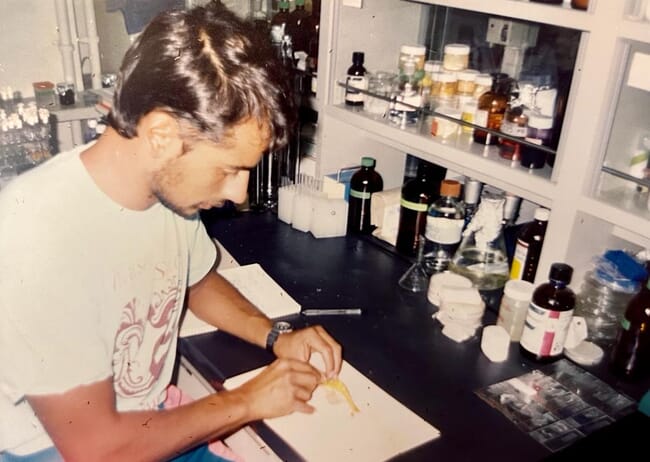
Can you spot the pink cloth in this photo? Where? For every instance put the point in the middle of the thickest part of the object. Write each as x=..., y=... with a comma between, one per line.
x=176, y=397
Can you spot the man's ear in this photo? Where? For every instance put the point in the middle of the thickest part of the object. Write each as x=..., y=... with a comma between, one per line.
x=162, y=134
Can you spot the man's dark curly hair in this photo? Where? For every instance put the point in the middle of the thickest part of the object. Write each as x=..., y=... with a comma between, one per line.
x=209, y=69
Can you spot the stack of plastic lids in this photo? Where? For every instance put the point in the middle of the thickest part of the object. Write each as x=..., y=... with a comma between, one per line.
x=461, y=307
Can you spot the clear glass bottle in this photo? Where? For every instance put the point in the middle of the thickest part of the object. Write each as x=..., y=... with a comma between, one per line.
x=549, y=316
x=491, y=108
x=364, y=183
x=417, y=195
x=529, y=247
x=356, y=79
x=444, y=226
x=482, y=255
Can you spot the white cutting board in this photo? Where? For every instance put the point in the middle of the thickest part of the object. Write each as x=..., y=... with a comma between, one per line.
x=382, y=429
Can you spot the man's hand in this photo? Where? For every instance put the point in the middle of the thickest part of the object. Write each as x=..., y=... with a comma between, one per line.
x=300, y=344
x=280, y=389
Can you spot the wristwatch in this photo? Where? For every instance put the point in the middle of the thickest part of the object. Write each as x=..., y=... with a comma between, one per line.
x=279, y=327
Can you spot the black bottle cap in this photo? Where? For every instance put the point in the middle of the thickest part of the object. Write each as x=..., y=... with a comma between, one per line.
x=561, y=272
x=358, y=57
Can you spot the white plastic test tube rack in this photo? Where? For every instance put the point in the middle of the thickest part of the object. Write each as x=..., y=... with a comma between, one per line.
x=307, y=208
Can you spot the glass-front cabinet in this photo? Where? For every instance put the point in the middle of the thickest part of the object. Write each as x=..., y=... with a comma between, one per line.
x=575, y=133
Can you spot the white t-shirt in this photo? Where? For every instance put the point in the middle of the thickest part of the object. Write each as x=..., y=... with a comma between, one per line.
x=88, y=290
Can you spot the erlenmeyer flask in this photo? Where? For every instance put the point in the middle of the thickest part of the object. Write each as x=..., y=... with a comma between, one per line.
x=481, y=256
x=416, y=279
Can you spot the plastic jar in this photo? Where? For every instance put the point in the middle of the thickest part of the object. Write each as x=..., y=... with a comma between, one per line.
x=44, y=94
x=443, y=92
x=482, y=84
x=467, y=82
x=381, y=86
x=540, y=131
x=456, y=57
x=514, y=306
x=416, y=53
x=602, y=302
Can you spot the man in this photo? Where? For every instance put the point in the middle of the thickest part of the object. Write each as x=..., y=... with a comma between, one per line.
x=100, y=246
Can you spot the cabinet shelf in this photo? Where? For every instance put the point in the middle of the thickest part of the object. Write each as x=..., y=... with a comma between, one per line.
x=458, y=153
x=556, y=15
x=635, y=30
x=624, y=210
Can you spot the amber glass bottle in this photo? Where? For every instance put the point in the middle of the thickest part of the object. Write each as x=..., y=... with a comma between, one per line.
x=417, y=195
x=492, y=106
x=549, y=315
x=631, y=354
x=363, y=184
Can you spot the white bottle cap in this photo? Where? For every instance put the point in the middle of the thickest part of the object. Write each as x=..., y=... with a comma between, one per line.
x=542, y=214
x=517, y=289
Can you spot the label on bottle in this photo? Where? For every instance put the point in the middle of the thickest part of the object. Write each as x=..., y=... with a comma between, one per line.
x=355, y=81
x=360, y=194
x=443, y=230
x=519, y=260
x=314, y=83
x=625, y=324
x=481, y=118
x=513, y=129
x=415, y=206
x=545, y=330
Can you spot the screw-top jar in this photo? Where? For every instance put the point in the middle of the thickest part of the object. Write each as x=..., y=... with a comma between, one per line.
x=456, y=57
x=482, y=84
x=514, y=306
x=415, y=52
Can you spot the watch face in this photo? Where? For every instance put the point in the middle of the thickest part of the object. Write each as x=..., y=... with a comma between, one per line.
x=283, y=327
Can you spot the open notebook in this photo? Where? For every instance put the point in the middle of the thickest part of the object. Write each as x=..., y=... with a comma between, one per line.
x=383, y=427
x=255, y=284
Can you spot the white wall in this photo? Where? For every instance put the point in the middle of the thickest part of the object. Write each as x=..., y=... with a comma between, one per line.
x=29, y=51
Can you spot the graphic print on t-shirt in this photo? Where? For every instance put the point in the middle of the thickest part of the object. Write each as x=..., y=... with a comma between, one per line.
x=146, y=332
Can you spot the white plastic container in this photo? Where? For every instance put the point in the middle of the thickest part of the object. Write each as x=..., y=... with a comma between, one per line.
x=514, y=306
x=456, y=57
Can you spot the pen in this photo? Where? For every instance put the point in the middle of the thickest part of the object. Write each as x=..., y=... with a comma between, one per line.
x=331, y=311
